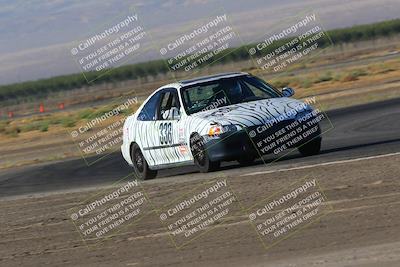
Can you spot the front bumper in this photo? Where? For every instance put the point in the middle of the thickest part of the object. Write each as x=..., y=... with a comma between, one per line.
x=230, y=146
x=234, y=145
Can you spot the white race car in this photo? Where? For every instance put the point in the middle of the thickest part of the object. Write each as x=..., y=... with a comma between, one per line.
x=203, y=121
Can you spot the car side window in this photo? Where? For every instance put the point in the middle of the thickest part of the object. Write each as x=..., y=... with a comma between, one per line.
x=169, y=105
x=149, y=110
x=166, y=101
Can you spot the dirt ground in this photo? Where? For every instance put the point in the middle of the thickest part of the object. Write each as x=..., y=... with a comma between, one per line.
x=362, y=229
x=381, y=84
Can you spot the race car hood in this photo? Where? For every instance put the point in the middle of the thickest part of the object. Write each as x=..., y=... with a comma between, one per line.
x=257, y=112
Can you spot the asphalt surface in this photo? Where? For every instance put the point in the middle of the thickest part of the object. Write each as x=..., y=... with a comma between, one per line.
x=358, y=131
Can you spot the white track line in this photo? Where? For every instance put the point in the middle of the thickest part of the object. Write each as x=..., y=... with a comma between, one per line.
x=322, y=164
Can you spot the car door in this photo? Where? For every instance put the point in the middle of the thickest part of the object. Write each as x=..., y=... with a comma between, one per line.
x=170, y=150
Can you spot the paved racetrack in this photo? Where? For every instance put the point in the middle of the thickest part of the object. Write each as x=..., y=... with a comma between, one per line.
x=359, y=131
x=358, y=171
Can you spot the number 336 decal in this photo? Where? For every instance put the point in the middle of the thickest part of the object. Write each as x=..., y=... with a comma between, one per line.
x=166, y=133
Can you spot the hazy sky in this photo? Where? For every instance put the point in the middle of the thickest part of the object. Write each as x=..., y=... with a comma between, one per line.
x=36, y=36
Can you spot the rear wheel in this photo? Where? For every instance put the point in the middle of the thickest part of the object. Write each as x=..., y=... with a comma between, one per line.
x=200, y=155
x=140, y=165
x=311, y=148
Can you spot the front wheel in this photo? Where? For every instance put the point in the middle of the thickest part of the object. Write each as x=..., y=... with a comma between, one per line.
x=140, y=165
x=200, y=155
x=311, y=148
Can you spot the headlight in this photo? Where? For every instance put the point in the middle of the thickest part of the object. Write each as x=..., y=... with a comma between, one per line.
x=215, y=130
x=218, y=129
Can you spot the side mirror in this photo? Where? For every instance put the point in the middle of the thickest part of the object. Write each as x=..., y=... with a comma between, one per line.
x=287, y=92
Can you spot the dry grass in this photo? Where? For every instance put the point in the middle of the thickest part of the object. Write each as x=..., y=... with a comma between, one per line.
x=46, y=137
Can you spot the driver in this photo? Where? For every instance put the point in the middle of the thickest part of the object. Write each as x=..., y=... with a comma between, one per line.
x=172, y=108
x=233, y=91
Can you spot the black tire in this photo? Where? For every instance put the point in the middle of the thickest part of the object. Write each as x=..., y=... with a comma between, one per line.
x=311, y=148
x=200, y=155
x=246, y=160
x=140, y=165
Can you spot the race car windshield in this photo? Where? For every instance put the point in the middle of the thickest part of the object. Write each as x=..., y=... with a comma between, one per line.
x=225, y=92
